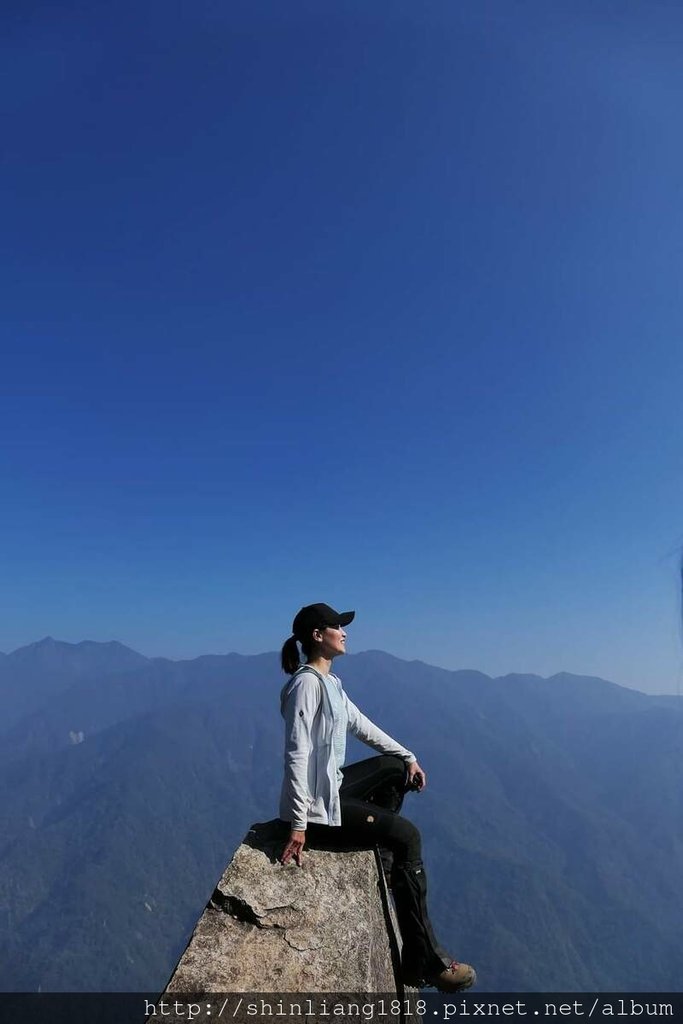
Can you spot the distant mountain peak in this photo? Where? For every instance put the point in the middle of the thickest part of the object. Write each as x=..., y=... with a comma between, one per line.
x=38, y=645
x=111, y=644
x=87, y=657
x=570, y=677
x=375, y=652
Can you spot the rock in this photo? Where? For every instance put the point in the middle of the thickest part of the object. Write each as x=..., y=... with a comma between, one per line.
x=323, y=927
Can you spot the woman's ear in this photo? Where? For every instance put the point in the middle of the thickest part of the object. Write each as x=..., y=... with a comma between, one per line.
x=317, y=635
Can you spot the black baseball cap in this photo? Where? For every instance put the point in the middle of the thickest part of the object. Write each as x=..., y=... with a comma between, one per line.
x=317, y=616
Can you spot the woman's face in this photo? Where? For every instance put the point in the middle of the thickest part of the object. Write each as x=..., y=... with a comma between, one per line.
x=333, y=641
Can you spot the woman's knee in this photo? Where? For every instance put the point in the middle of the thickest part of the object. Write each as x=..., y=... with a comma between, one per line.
x=394, y=763
x=380, y=779
x=387, y=764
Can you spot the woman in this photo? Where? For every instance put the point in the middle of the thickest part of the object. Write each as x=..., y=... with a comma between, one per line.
x=357, y=805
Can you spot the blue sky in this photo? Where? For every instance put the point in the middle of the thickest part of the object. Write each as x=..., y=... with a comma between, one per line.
x=375, y=304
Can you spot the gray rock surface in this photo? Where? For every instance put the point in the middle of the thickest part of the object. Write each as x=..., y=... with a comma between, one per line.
x=323, y=927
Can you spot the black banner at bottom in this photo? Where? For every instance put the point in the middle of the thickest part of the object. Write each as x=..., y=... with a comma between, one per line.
x=331, y=1007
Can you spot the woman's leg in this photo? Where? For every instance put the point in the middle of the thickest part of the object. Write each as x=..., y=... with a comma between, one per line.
x=367, y=824
x=422, y=958
x=380, y=780
x=371, y=795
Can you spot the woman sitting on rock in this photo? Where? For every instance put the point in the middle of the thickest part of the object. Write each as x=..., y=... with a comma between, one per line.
x=359, y=804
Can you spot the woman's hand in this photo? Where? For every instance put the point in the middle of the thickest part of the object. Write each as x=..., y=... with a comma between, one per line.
x=295, y=845
x=417, y=779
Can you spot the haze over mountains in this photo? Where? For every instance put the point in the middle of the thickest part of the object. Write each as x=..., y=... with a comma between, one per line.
x=552, y=820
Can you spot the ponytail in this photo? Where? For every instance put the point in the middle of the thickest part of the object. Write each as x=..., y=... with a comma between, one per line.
x=289, y=656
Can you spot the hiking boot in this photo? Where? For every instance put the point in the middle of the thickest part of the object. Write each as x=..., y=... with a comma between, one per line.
x=454, y=978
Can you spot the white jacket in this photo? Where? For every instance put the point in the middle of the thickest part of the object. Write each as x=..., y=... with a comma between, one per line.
x=309, y=790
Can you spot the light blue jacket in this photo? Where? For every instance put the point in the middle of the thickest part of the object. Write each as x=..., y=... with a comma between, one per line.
x=310, y=791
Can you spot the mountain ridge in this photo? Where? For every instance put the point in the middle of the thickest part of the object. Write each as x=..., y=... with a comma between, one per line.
x=552, y=816
x=48, y=643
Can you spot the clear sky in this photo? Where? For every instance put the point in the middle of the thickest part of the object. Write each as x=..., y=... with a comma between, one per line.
x=377, y=304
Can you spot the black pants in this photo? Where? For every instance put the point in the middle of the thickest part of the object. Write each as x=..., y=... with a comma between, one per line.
x=371, y=796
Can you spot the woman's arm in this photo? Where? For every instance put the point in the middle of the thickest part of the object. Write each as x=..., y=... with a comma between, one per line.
x=417, y=779
x=295, y=845
x=300, y=708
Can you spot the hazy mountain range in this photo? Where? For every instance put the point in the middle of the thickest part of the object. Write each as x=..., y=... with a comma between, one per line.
x=552, y=820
